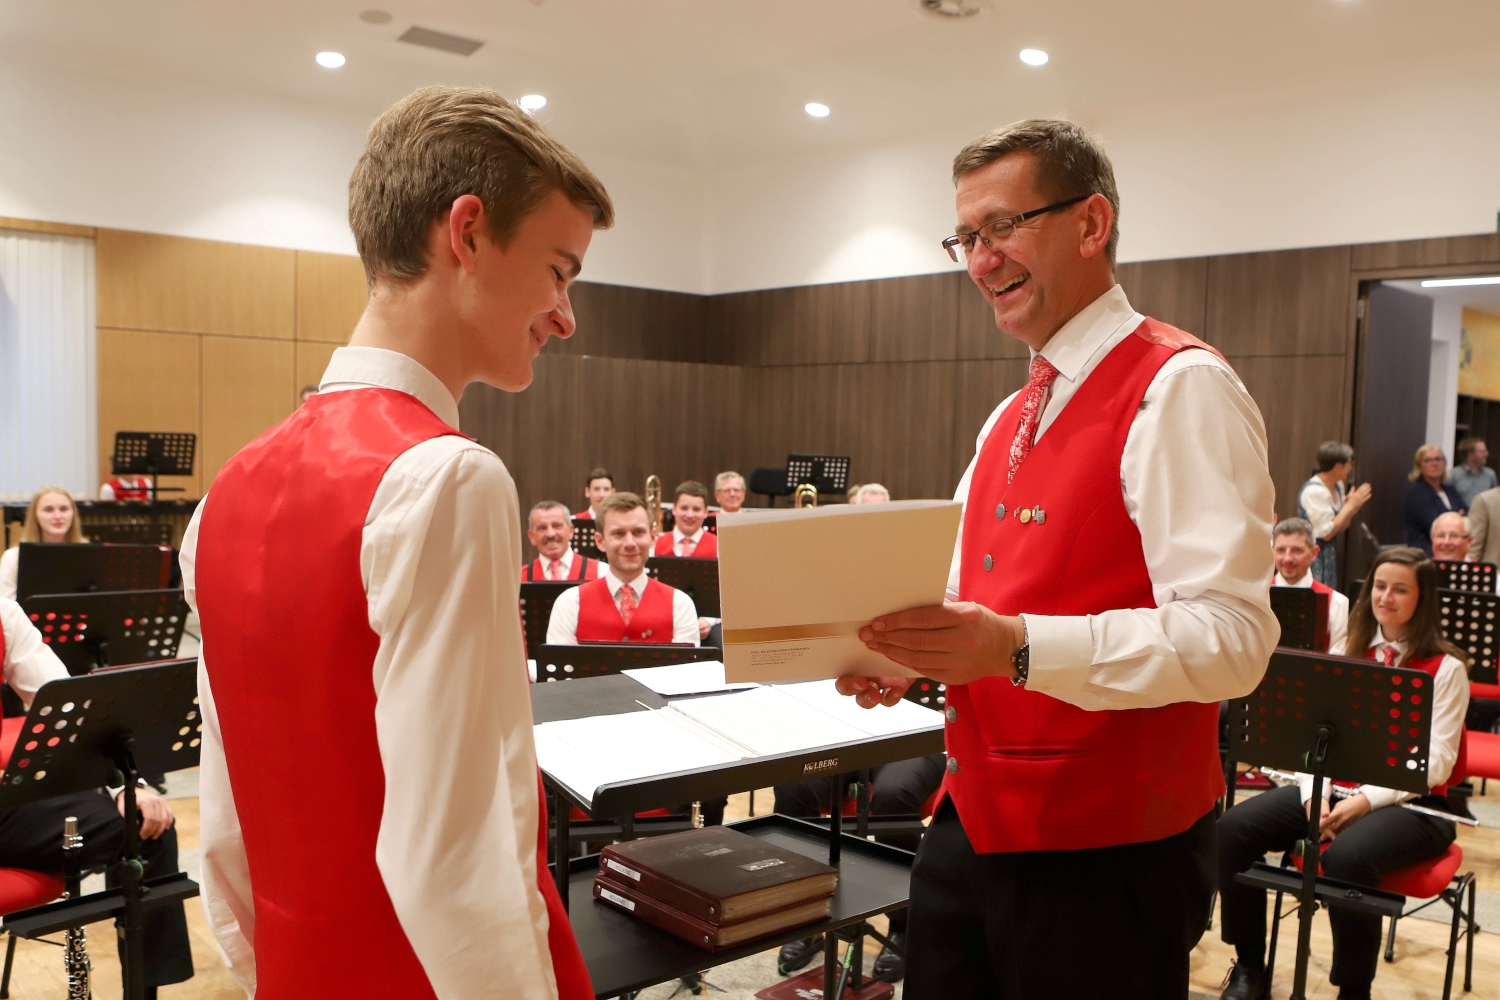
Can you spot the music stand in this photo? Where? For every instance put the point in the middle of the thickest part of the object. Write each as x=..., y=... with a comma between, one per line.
x=698, y=578
x=1331, y=715
x=153, y=453
x=583, y=538
x=88, y=631
x=106, y=729
x=72, y=568
x=927, y=693
x=132, y=533
x=829, y=473
x=537, y=598
x=1303, y=614
x=711, y=524
x=1456, y=575
x=1469, y=621
x=596, y=659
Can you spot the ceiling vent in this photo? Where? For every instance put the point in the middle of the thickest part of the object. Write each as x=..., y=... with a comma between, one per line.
x=951, y=10
x=428, y=38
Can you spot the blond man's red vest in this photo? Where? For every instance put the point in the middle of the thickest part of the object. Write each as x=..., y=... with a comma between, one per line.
x=599, y=619
x=708, y=545
x=290, y=657
x=1028, y=772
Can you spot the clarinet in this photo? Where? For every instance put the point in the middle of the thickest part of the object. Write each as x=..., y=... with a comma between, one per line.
x=75, y=942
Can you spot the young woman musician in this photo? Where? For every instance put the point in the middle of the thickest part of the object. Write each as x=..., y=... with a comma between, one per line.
x=1395, y=622
x=52, y=517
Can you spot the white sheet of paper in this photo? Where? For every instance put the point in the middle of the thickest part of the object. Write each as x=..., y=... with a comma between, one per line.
x=882, y=720
x=677, y=679
x=586, y=753
x=795, y=586
x=768, y=721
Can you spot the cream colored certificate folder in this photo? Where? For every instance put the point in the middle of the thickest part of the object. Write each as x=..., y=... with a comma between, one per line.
x=796, y=586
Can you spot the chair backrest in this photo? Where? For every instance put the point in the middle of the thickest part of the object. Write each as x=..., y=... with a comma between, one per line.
x=1470, y=620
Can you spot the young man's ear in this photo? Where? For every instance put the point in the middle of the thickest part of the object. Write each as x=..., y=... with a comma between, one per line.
x=464, y=219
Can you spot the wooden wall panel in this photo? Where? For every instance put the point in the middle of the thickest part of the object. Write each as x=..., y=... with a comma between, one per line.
x=148, y=382
x=1286, y=302
x=331, y=295
x=1173, y=291
x=311, y=360
x=1445, y=251
x=914, y=319
x=978, y=337
x=244, y=393
x=1302, y=405
x=620, y=322
x=169, y=283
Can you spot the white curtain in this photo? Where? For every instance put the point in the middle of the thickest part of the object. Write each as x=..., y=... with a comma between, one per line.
x=48, y=372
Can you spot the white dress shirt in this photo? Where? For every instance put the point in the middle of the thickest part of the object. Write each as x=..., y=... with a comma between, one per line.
x=679, y=540
x=29, y=662
x=1338, y=610
x=1195, y=482
x=1450, y=703
x=1322, y=507
x=440, y=562
x=566, y=561
x=562, y=627
x=10, y=567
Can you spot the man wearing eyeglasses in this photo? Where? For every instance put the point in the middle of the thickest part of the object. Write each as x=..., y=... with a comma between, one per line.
x=1108, y=590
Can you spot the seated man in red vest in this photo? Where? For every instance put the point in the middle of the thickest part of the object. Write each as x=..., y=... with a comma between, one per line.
x=596, y=487
x=549, y=527
x=31, y=834
x=688, y=539
x=1295, y=551
x=624, y=604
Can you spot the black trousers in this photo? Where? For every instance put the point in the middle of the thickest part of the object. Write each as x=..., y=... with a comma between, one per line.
x=31, y=838
x=899, y=789
x=1115, y=922
x=1372, y=846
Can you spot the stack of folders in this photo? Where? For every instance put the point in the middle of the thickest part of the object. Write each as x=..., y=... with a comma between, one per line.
x=715, y=887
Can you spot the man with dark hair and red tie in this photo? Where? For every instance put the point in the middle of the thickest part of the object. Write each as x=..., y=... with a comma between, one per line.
x=1108, y=591
x=688, y=539
x=549, y=528
x=624, y=604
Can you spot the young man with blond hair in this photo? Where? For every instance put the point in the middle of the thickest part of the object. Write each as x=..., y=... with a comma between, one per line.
x=370, y=800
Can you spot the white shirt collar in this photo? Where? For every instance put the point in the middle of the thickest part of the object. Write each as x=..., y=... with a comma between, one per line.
x=694, y=537
x=1399, y=645
x=375, y=367
x=1081, y=337
x=1306, y=581
x=614, y=583
x=566, y=560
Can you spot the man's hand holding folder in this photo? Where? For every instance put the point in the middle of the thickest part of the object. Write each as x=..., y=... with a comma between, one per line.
x=949, y=643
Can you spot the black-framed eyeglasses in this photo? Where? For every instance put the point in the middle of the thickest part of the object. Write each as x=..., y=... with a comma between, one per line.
x=961, y=245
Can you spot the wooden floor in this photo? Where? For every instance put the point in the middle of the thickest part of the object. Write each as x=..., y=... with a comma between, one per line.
x=1417, y=973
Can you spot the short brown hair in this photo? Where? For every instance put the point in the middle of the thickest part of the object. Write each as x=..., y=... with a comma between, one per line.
x=692, y=488
x=598, y=474
x=1424, y=633
x=1069, y=162
x=623, y=503
x=443, y=142
x=1467, y=445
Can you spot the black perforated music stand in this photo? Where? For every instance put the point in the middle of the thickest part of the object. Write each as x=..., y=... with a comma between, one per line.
x=829, y=473
x=1469, y=620
x=537, y=598
x=698, y=578
x=927, y=693
x=1303, y=614
x=88, y=631
x=1331, y=716
x=1455, y=575
x=596, y=659
x=583, y=538
x=71, y=568
x=107, y=728
x=132, y=533
x=153, y=453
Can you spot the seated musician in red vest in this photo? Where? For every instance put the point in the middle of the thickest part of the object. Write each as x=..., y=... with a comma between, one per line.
x=688, y=539
x=549, y=528
x=1396, y=621
x=596, y=487
x=1109, y=590
x=372, y=823
x=31, y=834
x=1295, y=550
x=624, y=604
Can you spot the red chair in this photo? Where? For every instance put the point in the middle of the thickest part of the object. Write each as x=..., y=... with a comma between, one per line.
x=1484, y=757
x=20, y=889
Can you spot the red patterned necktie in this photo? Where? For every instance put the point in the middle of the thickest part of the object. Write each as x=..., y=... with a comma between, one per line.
x=1387, y=655
x=688, y=548
x=627, y=603
x=1040, y=379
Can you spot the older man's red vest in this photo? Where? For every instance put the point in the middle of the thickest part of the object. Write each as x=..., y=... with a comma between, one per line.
x=1028, y=772
x=599, y=619
x=290, y=657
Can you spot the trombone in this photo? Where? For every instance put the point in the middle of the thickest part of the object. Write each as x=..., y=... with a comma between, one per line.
x=653, y=502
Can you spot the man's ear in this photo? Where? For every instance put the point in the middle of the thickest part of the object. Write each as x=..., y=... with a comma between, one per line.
x=465, y=223
x=1099, y=223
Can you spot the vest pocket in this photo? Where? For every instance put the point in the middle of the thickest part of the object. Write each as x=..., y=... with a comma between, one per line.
x=1021, y=754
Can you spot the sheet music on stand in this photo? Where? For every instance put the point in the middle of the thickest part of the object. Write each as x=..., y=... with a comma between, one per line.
x=1471, y=620
x=829, y=473
x=1303, y=614
x=1456, y=575
x=88, y=631
x=72, y=568
x=153, y=453
x=698, y=578
x=598, y=659
x=583, y=538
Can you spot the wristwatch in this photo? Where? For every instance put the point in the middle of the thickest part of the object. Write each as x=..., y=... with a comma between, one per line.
x=1021, y=658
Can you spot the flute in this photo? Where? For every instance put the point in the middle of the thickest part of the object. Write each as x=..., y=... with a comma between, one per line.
x=1339, y=792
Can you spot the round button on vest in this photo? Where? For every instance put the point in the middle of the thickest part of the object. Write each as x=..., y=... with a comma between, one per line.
x=1000, y=512
x=952, y=765
x=952, y=714
x=988, y=563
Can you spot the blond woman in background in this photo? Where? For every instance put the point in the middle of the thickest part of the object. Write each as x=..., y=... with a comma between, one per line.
x=52, y=517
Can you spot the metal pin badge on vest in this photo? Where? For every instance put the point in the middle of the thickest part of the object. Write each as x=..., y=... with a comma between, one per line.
x=1038, y=515
x=646, y=634
x=1025, y=516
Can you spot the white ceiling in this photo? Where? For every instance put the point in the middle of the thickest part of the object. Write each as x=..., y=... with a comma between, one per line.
x=720, y=83
x=1484, y=298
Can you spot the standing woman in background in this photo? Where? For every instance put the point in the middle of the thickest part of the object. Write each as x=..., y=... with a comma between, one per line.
x=1324, y=503
x=52, y=517
x=1429, y=495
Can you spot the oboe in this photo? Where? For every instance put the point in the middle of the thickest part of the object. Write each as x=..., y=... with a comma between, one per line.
x=75, y=943
x=1338, y=792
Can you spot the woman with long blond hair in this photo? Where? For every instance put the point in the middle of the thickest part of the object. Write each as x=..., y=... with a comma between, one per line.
x=52, y=517
x=1429, y=495
x=1396, y=622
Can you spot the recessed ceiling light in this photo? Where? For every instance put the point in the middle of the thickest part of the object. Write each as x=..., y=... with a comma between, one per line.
x=376, y=17
x=533, y=102
x=330, y=60
x=1034, y=57
x=1489, y=279
x=816, y=110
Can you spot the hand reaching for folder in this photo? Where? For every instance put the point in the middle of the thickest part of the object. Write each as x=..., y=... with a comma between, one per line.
x=949, y=643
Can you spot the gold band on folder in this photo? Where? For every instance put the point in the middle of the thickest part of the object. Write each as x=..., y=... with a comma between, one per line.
x=786, y=633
